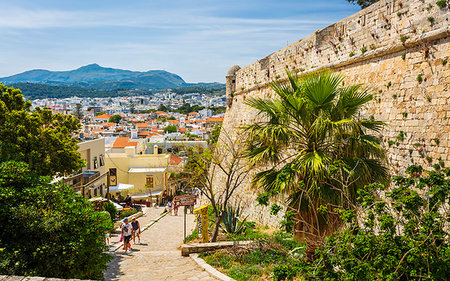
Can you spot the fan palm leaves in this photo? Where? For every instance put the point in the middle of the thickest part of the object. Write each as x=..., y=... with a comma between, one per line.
x=320, y=149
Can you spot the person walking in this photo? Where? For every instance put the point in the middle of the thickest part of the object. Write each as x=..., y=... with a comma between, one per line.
x=169, y=207
x=175, y=208
x=136, y=230
x=127, y=231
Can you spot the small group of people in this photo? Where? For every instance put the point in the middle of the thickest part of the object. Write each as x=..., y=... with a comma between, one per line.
x=172, y=206
x=130, y=231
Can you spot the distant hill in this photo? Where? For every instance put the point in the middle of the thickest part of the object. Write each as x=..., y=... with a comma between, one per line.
x=42, y=91
x=97, y=77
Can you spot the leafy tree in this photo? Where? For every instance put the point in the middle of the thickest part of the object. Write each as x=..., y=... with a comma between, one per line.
x=115, y=118
x=226, y=162
x=78, y=111
x=363, y=3
x=162, y=107
x=215, y=134
x=48, y=230
x=171, y=118
x=170, y=129
x=41, y=139
x=318, y=146
x=100, y=113
x=402, y=237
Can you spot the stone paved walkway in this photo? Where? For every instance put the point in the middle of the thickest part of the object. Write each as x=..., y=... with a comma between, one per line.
x=158, y=257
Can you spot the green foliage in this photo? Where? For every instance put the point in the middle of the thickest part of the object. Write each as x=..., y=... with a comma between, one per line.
x=48, y=230
x=288, y=223
x=187, y=108
x=363, y=50
x=127, y=213
x=283, y=272
x=215, y=133
x=231, y=220
x=401, y=136
x=115, y=118
x=100, y=113
x=403, y=56
x=41, y=139
x=311, y=123
x=170, y=129
x=111, y=209
x=42, y=91
x=192, y=236
x=431, y=20
x=403, y=38
x=362, y=3
x=441, y=3
x=401, y=238
x=274, y=209
x=351, y=54
x=263, y=199
x=444, y=62
x=419, y=78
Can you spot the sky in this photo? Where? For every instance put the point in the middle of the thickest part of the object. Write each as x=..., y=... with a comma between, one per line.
x=196, y=39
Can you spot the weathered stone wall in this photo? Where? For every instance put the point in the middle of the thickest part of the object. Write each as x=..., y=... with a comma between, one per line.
x=397, y=48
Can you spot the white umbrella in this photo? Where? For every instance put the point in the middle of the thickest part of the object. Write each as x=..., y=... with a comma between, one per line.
x=120, y=187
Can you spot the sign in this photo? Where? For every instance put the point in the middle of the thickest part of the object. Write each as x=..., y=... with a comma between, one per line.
x=112, y=177
x=185, y=200
x=202, y=220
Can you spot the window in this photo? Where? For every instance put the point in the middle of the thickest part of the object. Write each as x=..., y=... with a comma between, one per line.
x=149, y=182
x=95, y=163
x=102, y=160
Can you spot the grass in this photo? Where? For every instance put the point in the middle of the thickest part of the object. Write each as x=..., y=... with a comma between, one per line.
x=256, y=262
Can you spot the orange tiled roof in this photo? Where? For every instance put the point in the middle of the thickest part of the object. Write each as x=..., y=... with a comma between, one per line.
x=160, y=112
x=144, y=133
x=174, y=160
x=142, y=125
x=103, y=116
x=175, y=122
x=193, y=113
x=214, y=119
x=123, y=142
x=182, y=129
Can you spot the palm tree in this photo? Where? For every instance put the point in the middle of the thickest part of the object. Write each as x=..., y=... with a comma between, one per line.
x=318, y=146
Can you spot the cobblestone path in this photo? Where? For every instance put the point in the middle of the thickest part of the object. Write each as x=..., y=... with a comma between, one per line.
x=158, y=256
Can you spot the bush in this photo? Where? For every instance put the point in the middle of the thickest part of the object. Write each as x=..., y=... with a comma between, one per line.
x=111, y=209
x=48, y=230
x=244, y=272
x=283, y=272
x=127, y=213
x=231, y=220
x=401, y=238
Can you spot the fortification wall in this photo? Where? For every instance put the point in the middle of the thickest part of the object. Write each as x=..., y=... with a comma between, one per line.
x=397, y=48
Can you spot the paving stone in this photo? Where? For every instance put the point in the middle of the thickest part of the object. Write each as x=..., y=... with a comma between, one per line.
x=158, y=257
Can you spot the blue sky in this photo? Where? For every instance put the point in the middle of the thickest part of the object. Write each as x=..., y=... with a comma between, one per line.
x=199, y=40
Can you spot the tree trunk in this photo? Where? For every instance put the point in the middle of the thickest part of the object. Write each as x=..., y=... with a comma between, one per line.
x=216, y=228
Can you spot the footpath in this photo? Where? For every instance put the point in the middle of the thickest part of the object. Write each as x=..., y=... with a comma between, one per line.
x=158, y=256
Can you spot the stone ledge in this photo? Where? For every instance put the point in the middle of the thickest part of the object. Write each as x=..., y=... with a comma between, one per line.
x=187, y=249
x=28, y=278
x=211, y=270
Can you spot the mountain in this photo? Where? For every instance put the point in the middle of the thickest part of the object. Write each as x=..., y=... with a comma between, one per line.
x=97, y=77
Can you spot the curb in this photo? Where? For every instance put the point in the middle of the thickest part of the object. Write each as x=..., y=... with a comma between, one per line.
x=143, y=229
x=211, y=270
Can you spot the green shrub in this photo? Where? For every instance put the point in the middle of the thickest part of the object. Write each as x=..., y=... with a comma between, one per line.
x=111, y=209
x=283, y=272
x=245, y=272
x=128, y=213
x=48, y=230
x=401, y=238
x=231, y=220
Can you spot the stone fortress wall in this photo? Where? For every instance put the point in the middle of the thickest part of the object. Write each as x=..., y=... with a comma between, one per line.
x=399, y=48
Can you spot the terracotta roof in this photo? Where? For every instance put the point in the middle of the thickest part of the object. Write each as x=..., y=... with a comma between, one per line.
x=160, y=112
x=173, y=121
x=97, y=130
x=142, y=125
x=144, y=133
x=214, y=119
x=182, y=129
x=123, y=142
x=193, y=113
x=103, y=116
x=174, y=160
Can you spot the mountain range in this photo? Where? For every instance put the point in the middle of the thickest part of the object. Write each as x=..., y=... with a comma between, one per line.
x=97, y=77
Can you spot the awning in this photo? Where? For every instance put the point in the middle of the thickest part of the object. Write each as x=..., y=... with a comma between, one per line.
x=118, y=207
x=147, y=170
x=146, y=195
x=120, y=187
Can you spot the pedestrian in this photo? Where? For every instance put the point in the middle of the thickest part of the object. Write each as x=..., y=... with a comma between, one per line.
x=175, y=208
x=128, y=200
x=107, y=237
x=127, y=231
x=169, y=207
x=136, y=230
